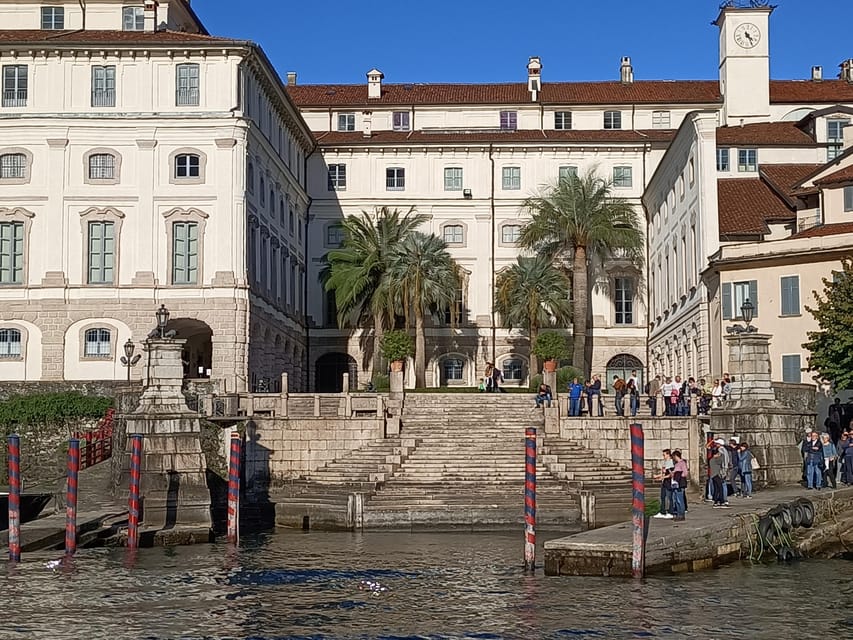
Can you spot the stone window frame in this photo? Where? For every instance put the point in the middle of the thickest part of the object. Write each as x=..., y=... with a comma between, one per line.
x=28, y=165
x=179, y=214
x=113, y=342
x=501, y=242
x=202, y=166
x=25, y=216
x=525, y=367
x=465, y=373
x=25, y=336
x=328, y=227
x=101, y=214
x=116, y=179
x=454, y=223
x=635, y=299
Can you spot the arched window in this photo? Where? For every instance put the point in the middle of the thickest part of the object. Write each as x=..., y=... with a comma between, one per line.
x=102, y=166
x=263, y=190
x=453, y=369
x=250, y=178
x=187, y=165
x=13, y=166
x=10, y=343
x=98, y=343
x=513, y=369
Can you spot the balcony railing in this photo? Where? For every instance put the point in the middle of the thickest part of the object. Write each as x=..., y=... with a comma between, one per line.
x=809, y=223
x=186, y=97
x=104, y=98
x=15, y=98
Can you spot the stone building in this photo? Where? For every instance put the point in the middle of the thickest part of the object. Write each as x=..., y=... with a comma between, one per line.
x=146, y=162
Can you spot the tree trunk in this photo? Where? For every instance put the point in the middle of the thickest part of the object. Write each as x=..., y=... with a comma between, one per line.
x=580, y=308
x=378, y=332
x=420, y=349
x=534, y=361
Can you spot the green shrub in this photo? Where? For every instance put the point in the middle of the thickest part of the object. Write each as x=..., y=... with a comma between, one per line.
x=564, y=377
x=551, y=345
x=381, y=382
x=43, y=408
x=397, y=345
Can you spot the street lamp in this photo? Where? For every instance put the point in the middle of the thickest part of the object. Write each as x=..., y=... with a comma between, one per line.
x=747, y=310
x=162, y=320
x=128, y=359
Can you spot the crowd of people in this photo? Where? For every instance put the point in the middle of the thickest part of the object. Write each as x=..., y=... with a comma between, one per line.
x=826, y=458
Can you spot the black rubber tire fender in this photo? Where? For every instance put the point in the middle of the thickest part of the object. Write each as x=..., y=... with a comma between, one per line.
x=787, y=519
x=808, y=514
x=766, y=529
x=777, y=515
x=796, y=515
x=785, y=554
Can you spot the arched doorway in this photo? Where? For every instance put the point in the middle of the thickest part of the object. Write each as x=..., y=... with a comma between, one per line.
x=622, y=366
x=197, y=355
x=329, y=371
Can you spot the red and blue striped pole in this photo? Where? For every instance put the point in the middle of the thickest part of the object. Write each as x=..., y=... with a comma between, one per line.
x=638, y=510
x=14, y=498
x=71, y=497
x=530, y=499
x=234, y=489
x=133, y=501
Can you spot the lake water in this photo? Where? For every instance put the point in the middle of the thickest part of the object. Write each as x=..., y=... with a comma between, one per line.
x=403, y=586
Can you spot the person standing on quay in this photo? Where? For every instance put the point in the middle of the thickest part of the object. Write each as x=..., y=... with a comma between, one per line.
x=594, y=396
x=830, y=461
x=667, y=508
x=812, y=449
x=679, y=485
x=654, y=392
x=575, y=389
x=745, y=458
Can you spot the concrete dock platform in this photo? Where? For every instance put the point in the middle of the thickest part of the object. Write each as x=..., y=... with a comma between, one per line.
x=707, y=538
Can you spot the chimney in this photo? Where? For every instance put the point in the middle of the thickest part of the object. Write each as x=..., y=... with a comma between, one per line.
x=626, y=71
x=374, y=84
x=149, y=13
x=291, y=78
x=817, y=74
x=847, y=71
x=534, y=77
x=367, y=123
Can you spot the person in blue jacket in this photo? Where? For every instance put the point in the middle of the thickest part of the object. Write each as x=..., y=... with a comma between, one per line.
x=812, y=449
x=575, y=392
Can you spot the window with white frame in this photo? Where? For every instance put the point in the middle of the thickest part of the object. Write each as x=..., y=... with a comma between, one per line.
x=623, y=177
x=848, y=198
x=453, y=178
x=52, y=18
x=334, y=235
x=513, y=369
x=400, y=121
x=337, y=177
x=98, y=343
x=187, y=85
x=453, y=234
x=101, y=252
x=747, y=160
x=395, y=179
x=15, y=85
x=563, y=120
x=723, y=160
x=511, y=178
x=623, y=300
x=790, y=286
x=835, y=137
x=102, y=166
x=612, y=119
x=660, y=120
x=510, y=233
x=11, y=252
x=13, y=166
x=10, y=343
x=509, y=120
x=792, y=369
x=133, y=19
x=733, y=296
x=346, y=122
x=104, y=86
x=453, y=369
x=567, y=171
x=188, y=165
x=185, y=253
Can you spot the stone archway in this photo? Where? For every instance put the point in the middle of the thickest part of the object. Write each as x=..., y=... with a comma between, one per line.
x=198, y=351
x=329, y=370
x=622, y=365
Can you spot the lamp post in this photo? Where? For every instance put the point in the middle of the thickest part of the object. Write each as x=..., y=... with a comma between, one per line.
x=128, y=359
x=162, y=320
x=747, y=310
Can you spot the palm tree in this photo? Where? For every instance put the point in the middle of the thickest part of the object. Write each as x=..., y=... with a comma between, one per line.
x=357, y=272
x=578, y=218
x=531, y=294
x=424, y=279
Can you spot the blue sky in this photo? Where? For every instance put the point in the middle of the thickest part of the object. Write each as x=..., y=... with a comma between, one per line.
x=490, y=41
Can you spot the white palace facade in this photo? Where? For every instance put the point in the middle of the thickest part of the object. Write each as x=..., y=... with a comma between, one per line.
x=146, y=162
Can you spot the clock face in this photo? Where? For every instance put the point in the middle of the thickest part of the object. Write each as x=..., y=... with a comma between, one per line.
x=747, y=35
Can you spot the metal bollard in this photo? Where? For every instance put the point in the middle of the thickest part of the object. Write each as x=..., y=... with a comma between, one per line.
x=234, y=489
x=133, y=500
x=14, y=498
x=638, y=512
x=71, y=497
x=530, y=499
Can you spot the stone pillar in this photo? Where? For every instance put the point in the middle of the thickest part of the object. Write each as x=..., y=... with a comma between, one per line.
x=749, y=364
x=173, y=482
x=660, y=407
x=550, y=378
x=397, y=389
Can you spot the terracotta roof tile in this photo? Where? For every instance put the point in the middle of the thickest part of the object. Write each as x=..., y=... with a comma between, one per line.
x=97, y=36
x=331, y=138
x=784, y=178
x=807, y=91
x=746, y=205
x=766, y=134
x=825, y=230
x=838, y=177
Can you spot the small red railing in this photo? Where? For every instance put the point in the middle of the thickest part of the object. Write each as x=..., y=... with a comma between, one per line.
x=96, y=446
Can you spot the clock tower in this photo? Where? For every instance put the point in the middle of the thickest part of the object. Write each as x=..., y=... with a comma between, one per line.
x=745, y=62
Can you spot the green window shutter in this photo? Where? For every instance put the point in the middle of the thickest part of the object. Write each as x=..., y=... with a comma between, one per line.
x=727, y=301
x=192, y=253
x=179, y=253
x=753, y=296
x=790, y=295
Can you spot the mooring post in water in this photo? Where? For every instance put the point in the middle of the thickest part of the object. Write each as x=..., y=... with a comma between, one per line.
x=71, y=496
x=530, y=499
x=14, y=498
x=133, y=500
x=638, y=512
x=234, y=489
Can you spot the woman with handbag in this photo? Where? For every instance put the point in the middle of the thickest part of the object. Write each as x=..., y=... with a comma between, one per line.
x=746, y=464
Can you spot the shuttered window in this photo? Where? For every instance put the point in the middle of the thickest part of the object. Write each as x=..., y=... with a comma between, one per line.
x=101, y=252
x=185, y=253
x=791, y=369
x=733, y=296
x=790, y=295
x=11, y=252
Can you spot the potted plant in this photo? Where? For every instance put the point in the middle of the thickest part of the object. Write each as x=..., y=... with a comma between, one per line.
x=550, y=346
x=396, y=347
